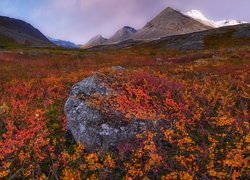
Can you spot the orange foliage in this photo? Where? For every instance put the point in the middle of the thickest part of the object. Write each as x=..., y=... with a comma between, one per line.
x=205, y=102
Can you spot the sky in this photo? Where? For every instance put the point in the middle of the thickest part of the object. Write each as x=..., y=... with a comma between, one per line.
x=80, y=20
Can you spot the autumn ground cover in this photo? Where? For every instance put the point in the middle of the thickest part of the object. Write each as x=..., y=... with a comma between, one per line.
x=203, y=95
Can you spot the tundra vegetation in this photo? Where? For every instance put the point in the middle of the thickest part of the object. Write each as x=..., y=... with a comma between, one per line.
x=203, y=95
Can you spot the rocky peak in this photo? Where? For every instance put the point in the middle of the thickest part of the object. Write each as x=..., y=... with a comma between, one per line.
x=170, y=10
x=96, y=41
x=169, y=22
x=122, y=34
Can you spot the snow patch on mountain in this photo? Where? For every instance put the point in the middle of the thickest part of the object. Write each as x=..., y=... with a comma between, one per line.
x=199, y=16
x=229, y=22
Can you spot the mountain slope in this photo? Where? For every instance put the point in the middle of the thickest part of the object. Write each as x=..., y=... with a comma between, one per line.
x=223, y=37
x=123, y=34
x=14, y=31
x=169, y=22
x=63, y=43
x=198, y=15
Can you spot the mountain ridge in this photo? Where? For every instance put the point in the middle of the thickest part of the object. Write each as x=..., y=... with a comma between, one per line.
x=167, y=23
x=121, y=35
x=18, y=32
x=64, y=43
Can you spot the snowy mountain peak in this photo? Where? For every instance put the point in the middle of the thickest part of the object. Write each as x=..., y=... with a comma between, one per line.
x=229, y=22
x=199, y=16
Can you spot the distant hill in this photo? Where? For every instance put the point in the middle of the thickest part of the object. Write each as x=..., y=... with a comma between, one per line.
x=122, y=34
x=95, y=41
x=18, y=32
x=63, y=43
x=169, y=22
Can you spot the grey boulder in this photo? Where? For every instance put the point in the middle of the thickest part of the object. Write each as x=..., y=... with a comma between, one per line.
x=95, y=129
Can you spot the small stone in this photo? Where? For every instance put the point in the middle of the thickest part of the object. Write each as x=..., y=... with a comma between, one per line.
x=117, y=68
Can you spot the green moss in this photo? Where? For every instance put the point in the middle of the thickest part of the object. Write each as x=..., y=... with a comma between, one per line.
x=5, y=41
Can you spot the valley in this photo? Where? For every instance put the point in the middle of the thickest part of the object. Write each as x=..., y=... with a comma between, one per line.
x=168, y=101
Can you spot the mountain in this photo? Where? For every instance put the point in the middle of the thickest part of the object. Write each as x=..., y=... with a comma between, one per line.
x=63, y=43
x=223, y=37
x=198, y=15
x=18, y=32
x=169, y=22
x=123, y=34
x=95, y=41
